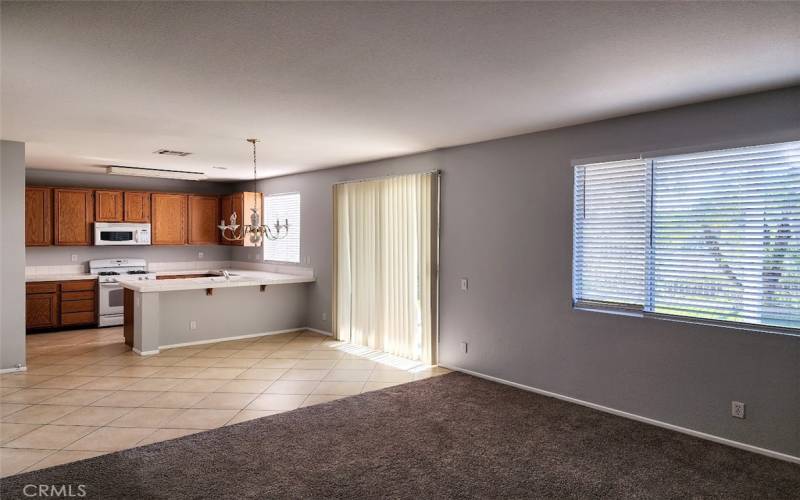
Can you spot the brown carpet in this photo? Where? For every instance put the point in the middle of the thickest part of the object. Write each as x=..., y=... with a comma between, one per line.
x=453, y=436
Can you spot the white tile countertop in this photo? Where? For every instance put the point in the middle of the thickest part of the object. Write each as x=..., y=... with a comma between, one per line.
x=30, y=278
x=239, y=278
x=78, y=271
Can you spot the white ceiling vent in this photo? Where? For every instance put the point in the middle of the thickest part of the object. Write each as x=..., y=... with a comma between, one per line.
x=154, y=172
x=170, y=152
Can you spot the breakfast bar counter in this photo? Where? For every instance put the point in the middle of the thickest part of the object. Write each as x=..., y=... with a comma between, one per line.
x=166, y=313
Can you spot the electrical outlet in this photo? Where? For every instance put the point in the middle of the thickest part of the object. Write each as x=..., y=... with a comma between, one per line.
x=464, y=284
x=74, y=258
x=465, y=347
x=324, y=316
x=193, y=325
x=737, y=409
x=199, y=255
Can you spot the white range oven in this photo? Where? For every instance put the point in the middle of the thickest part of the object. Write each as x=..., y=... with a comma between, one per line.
x=121, y=233
x=111, y=293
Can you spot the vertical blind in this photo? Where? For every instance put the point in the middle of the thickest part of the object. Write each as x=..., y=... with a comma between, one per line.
x=386, y=260
x=721, y=236
x=280, y=207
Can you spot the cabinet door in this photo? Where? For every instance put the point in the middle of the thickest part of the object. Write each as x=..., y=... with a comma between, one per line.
x=169, y=219
x=241, y=203
x=38, y=216
x=203, y=219
x=41, y=310
x=108, y=206
x=229, y=204
x=74, y=214
x=137, y=206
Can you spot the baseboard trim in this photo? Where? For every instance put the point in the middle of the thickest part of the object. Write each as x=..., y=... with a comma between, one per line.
x=321, y=332
x=658, y=423
x=14, y=369
x=145, y=353
x=238, y=337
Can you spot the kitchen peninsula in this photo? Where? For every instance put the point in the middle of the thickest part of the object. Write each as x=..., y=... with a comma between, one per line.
x=168, y=313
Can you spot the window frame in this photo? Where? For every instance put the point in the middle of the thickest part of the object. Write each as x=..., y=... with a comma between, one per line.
x=631, y=310
x=266, y=242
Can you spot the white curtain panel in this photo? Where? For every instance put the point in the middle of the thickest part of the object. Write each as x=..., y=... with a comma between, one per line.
x=386, y=258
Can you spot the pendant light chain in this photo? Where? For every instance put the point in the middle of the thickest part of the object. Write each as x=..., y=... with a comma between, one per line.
x=257, y=230
x=255, y=178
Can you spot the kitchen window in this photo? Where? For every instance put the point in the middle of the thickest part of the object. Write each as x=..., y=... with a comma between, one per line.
x=711, y=236
x=285, y=206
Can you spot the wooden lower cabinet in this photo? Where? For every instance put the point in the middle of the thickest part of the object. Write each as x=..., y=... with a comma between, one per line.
x=52, y=304
x=127, y=316
x=41, y=310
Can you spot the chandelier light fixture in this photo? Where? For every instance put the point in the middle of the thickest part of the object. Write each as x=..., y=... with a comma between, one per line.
x=256, y=232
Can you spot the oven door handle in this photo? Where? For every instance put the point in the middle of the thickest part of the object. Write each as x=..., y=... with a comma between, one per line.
x=111, y=285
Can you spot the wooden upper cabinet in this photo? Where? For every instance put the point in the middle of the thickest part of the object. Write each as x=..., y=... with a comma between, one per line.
x=137, y=206
x=241, y=203
x=169, y=218
x=74, y=214
x=38, y=216
x=203, y=219
x=108, y=206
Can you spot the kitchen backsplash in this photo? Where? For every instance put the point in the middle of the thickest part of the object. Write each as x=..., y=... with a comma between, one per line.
x=62, y=256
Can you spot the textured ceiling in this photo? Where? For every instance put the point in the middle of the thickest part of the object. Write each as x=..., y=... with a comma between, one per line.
x=324, y=84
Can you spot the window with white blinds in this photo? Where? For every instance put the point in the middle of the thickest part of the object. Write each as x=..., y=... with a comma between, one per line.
x=282, y=207
x=610, y=233
x=720, y=234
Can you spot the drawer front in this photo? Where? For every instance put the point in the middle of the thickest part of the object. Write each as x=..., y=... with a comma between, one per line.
x=42, y=287
x=75, y=306
x=77, y=295
x=77, y=286
x=78, y=318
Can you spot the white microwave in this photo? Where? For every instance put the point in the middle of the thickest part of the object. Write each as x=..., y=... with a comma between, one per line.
x=121, y=233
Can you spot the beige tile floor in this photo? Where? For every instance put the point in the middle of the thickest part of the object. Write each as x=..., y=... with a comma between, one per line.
x=85, y=393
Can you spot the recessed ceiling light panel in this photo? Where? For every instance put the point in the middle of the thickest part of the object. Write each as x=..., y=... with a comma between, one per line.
x=154, y=172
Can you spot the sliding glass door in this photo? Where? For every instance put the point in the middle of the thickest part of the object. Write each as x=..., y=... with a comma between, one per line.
x=386, y=260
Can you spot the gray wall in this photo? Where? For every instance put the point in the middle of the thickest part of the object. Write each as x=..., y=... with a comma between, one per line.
x=54, y=256
x=12, y=254
x=506, y=225
x=229, y=312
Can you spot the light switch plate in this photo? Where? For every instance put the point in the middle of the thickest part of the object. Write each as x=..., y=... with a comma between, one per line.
x=464, y=284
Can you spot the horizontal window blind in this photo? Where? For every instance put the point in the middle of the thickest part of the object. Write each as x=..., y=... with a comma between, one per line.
x=726, y=235
x=280, y=207
x=610, y=233
x=713, y=235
